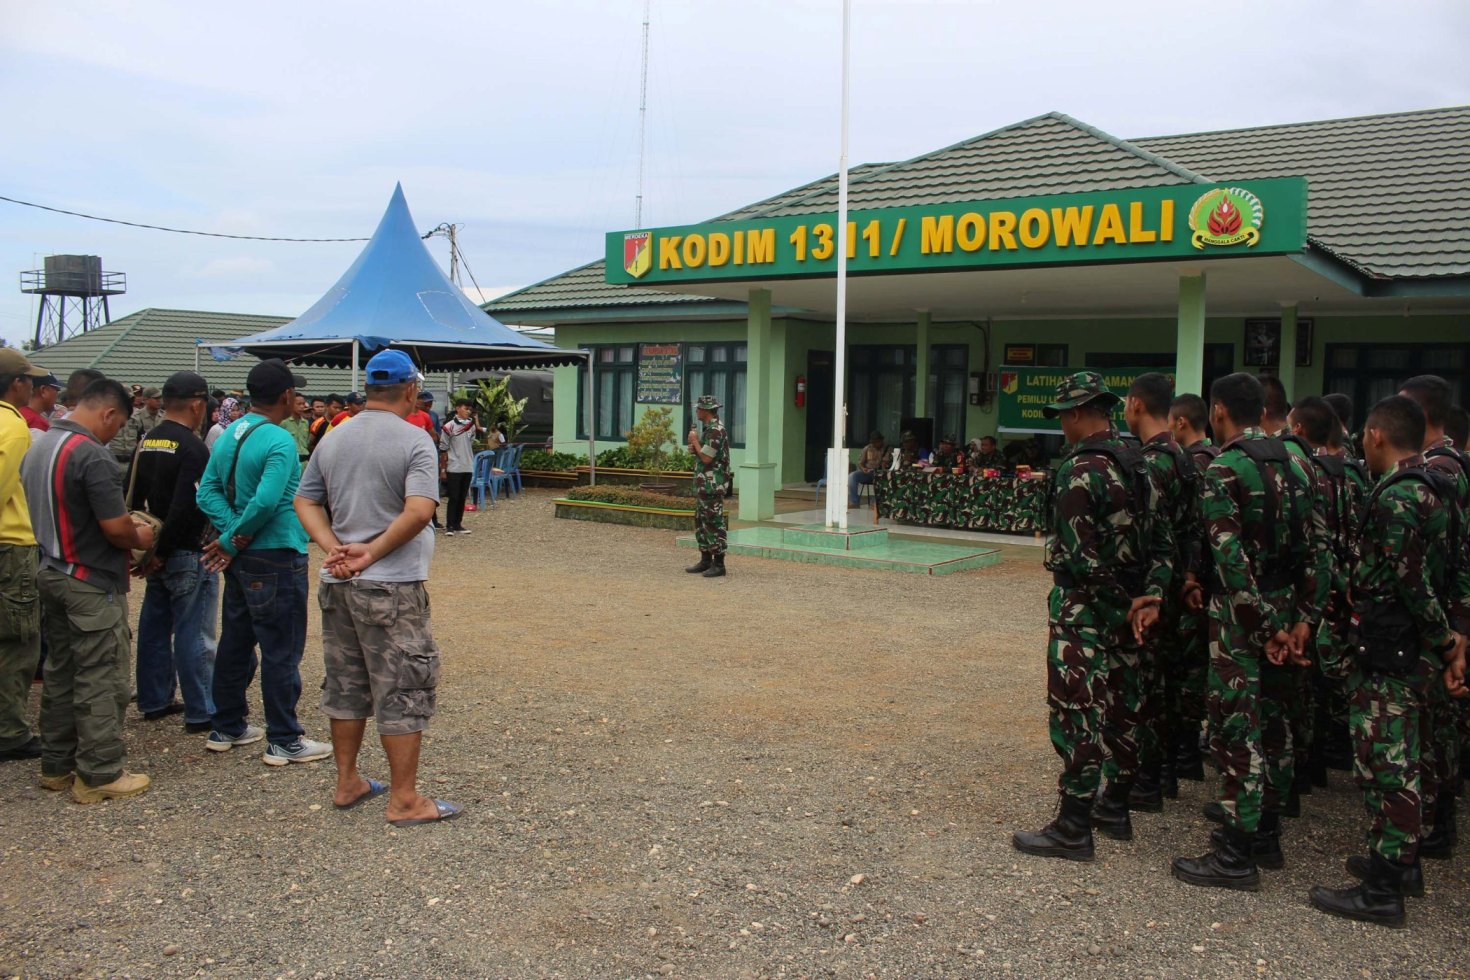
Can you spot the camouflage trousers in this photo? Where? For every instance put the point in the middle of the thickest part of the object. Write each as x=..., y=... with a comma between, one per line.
x=1250, y=735
x=1095, y=690
x=1387, y=716
x=1443, y=743
x=1192, y=670
x=709, y=522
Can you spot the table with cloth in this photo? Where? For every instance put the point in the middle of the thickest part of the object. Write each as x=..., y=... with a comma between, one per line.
x=970, y=501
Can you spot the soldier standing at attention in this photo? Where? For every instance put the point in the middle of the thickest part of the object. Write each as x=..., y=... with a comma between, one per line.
x=1110, y=566
x=1433, y=395
x=1189, y=418
x=711, y=484
x=1402, y=643
x=1177, y=479
x=1269, y=552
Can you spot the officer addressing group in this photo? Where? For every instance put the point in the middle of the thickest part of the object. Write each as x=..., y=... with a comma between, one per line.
x=711, y=485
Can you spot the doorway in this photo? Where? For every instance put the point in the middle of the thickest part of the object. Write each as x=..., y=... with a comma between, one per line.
x=820, y=385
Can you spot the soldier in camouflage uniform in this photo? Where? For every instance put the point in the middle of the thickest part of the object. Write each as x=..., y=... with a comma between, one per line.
x=1176, y=478
x=1334, y=746
x=1269, y=551
x=1189, y=417
x=1445, y=717
x=1402, y=640
x=1110, y=564
x=711, y=486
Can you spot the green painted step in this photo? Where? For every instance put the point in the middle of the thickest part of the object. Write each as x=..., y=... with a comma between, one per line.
x=821, y=536
x=919, y=557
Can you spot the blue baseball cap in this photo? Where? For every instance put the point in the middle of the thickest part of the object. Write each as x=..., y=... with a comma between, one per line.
x=391, y=367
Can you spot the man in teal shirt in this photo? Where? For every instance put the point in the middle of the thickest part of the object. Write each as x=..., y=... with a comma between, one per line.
x=247, y=493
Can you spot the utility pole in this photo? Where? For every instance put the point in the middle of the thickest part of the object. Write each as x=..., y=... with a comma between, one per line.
x=642, y=119
x=450, y=231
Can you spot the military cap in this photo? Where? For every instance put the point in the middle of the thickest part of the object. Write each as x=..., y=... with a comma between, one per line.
x=151, y=393
x=708, y=402
x=950, y=439
x=908, y=436
x=1078, y=390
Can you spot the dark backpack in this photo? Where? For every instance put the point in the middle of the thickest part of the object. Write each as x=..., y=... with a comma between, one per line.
x=1442, y=485
x=1264, y=452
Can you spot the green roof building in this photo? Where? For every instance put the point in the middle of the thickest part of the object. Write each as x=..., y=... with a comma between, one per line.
x=1333, y=254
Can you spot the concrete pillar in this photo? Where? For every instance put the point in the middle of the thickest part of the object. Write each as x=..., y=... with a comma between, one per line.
x=921, y=365
x=758, y=472
x=1189, y=367
x=1286, y=367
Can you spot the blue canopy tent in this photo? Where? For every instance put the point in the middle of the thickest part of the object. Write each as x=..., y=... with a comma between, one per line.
x=395, y=295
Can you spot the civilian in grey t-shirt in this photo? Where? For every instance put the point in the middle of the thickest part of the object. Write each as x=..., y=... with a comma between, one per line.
x=457, y=460
x=379, y=479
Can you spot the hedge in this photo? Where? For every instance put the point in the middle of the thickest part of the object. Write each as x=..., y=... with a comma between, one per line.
x=630, y=497
x=540, y=459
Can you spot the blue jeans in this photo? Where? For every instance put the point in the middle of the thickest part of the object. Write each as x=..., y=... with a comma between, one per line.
x=176, y=636
x=264, y=604
x=853, y=479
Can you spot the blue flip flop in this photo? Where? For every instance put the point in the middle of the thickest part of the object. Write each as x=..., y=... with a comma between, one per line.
x=375, y=788
x=447, y=811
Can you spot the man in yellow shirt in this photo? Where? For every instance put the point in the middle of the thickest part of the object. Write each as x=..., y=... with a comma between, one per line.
x=20, y=608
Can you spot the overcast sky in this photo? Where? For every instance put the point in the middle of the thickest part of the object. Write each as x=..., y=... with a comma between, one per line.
x=520, y=120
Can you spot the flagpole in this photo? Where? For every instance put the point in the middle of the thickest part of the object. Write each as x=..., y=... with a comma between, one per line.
x=837, y=455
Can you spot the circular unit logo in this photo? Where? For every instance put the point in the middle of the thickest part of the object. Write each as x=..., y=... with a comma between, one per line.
x=1226, y=216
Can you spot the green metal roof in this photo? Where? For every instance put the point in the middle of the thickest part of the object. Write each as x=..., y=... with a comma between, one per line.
x=147, y=346
x=1383, y=190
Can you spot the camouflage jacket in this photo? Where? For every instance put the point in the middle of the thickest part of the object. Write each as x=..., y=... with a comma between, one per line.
x=1325, y=504
x=1268, y=542
x=1178, y=499
x=138, y=425
x=1204, y=453
x=712, y=473
x=944, y=458
x=1404, y=549
x=1106, y=547
x=994, y=460
x=1458, y=586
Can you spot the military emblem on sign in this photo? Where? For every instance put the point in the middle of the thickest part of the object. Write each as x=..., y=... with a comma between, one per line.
x=1226, y=216
x=1010, y=382
x=638, y=252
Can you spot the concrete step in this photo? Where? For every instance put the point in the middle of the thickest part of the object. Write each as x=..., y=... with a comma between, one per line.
x=916, y=557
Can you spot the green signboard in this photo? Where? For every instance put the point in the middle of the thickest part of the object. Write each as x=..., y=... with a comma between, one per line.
x=660, y=374
x=1023, y=391
x=1141, y=224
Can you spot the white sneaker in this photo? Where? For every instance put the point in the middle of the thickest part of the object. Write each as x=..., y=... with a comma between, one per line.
x=301, y=750
x=218, y=741
x=449, y=534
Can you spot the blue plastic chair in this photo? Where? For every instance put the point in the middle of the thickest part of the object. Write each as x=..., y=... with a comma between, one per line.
x=511, y=464
x=484, y=478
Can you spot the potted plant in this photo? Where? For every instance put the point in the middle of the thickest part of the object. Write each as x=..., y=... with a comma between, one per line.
x=649, y=442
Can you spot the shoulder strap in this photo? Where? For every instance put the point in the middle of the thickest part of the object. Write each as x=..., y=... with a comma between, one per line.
x=1262, y=450
x=235, y=462
x=1450, y=452
x=1184, y=463
x=1439, y=484
x=1333, y=466
x=1130, y=460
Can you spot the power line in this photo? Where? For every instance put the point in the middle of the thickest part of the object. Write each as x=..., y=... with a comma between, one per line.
x=177, y=231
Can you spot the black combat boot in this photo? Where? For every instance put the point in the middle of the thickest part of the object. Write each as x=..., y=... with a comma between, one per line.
x=717, y=569
x=1229, y=865
x=1379, y=899
x=1301, y=780
x=1147, y=795
x=1316, y=766
x=1291, y=804
x=1411, y=876
x=1068, y=836
x=1188, y=762
x=1168, y=781
x=1215, y=810
x=1439, y=843
x=702, y=566
x=1265, y=845
x=1110, y=812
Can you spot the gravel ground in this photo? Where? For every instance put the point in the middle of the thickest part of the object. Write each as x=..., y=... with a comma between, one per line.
x=794, y=771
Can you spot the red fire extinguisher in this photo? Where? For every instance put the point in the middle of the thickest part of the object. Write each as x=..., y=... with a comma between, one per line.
x=801, y=391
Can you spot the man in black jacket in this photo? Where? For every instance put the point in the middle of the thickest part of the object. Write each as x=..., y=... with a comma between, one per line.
x=176, y=627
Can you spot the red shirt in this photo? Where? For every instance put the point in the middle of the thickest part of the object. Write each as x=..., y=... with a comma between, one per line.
x=421, y=419
x=34, y=419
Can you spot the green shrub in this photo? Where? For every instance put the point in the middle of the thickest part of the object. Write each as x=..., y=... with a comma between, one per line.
x=678, y=461
x=630, y=497
x=540, y=459
x=618, y=456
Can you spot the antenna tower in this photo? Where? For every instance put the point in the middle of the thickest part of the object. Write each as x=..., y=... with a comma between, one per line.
x=642, y=119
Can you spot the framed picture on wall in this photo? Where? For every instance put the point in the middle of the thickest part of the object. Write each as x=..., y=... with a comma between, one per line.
x=1263, y=342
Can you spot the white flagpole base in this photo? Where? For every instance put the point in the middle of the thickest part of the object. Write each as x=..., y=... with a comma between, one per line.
x=837, y=488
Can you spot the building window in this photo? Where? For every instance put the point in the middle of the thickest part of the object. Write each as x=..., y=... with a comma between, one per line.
x=1367, y=373
x=881, y=386
x=719, y=370
x=949, y=369
x=615, y=381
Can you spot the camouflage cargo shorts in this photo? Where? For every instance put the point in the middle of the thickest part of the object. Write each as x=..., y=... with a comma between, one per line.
x=381, y=659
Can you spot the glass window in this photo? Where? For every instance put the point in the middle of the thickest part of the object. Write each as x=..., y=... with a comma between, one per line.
x=881, y=390
x=1369, y=372
x=615, y=383
x=719, y=370
x=948, y=389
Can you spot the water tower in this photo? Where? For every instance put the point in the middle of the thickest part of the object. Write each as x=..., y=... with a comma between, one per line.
x=73, y=291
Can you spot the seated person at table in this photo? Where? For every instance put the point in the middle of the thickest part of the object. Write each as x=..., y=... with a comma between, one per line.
x=909, y=451
x=945, y=457
x=874, y=457
x=1025, y=452
x=985, y=455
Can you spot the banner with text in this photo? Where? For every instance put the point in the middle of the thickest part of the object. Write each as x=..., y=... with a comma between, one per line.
x=660, y=374
x=1024, y=391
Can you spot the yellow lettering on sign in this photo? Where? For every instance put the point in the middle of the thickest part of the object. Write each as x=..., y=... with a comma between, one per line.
x=1110, y=226
x=760, y=246
x=971, y=232
x=668, y=253
x=694, y=251
x=740, y=248
x=1035, y=228
x=1136, y=231
x=1166, y=221
x=1002, y=230
x=719, y=248
x=936, y=234
x=898, y=236
x=823, y=249
x=1073, y=225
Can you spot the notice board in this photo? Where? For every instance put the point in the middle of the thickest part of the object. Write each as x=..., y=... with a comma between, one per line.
x=1023, y=391
x=660, y=374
